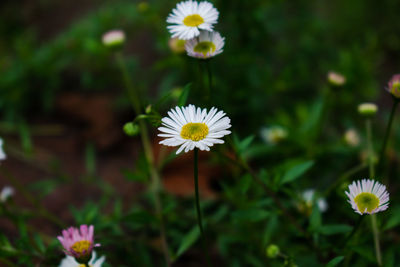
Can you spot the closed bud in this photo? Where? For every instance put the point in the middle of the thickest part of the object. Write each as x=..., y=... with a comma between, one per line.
x=177, y=45
x=114, y=39
x=131, y=129
x=143, y=6
x=351, y=137
x=148, y=109
x=336, y=78
x=367, y=109
x=272, y=251
x=394, y=86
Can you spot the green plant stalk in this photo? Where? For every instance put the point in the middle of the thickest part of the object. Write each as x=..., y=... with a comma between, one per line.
x=154, y=173
x=376, y=239
x=196, y=189
x=371, y=164
x=375, y=231
x=388, y=130
x=210, y=79
x=197, y=198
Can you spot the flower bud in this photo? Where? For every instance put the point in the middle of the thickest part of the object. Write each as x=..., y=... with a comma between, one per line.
x=6, y=193
x=114, y=39
x=351, y=137
x=274, y=135
x=336, y=78
x=394, y=86
x=367, y=109
x=131, y=129
x=177, y=45
x=143, y=6
x=272, y=251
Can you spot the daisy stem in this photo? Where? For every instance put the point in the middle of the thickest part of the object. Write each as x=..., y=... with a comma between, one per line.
x=388, y=129
x=376, y=239
x=370, y=149
x=198, y=210
x=196, y=189
x=372, y=174
x=154, y=173
x=210, y=79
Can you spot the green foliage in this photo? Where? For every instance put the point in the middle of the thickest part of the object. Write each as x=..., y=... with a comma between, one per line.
x=272, y=73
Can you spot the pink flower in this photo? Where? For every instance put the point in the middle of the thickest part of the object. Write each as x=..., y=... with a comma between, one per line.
x=78, y=243
x=394, y=86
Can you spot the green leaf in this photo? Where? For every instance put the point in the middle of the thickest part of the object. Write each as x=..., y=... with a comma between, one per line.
x=335, y=261
x=334, y=229
x=245, y=143
x=188, y=240
x=296, y=171
x=184, y=96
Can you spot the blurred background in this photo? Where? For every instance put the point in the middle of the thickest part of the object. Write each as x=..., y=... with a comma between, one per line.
x=63, y=106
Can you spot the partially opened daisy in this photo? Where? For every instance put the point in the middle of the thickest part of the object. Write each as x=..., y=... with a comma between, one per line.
x=79, y=243
x=208, y=44
x=189, y=17
x=368, y=196
x=190, y=127
x=69, y=261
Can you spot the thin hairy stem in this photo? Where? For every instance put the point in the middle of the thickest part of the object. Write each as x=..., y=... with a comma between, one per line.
x=154, y=172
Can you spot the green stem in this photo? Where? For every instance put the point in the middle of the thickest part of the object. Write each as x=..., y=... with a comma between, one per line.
x=388, y=129
x=154, y=173
x=196, y=190
x=210, y=79
x=376, y=239
x=371, y=175
x=198, y=210
x=370, y=149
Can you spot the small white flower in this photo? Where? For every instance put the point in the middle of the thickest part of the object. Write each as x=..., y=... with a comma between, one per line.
x=368, y=196
x=308, y=196
x=190, y=127
x=69, y=261
x=189, y=17
x=6, y=193
x=2, y=154
x=208, y=44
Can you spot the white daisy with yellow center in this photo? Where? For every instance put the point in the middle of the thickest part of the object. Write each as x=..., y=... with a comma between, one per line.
x=208, y=44
x=189, y=17
x=190, y=127
x=368, y=196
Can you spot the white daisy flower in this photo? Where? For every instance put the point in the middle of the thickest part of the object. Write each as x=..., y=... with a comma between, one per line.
x=69, y=261
x=189, y=17
x=191, y=127
x=2, y=154
x=208, y=44
x=368, y=196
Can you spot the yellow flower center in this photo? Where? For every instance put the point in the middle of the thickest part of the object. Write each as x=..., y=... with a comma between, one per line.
x=83, y=265
x=194, y=131
x=193, y=20
x=366, y=201
x=81, y=246
x=395, y=90
x=204, y=47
